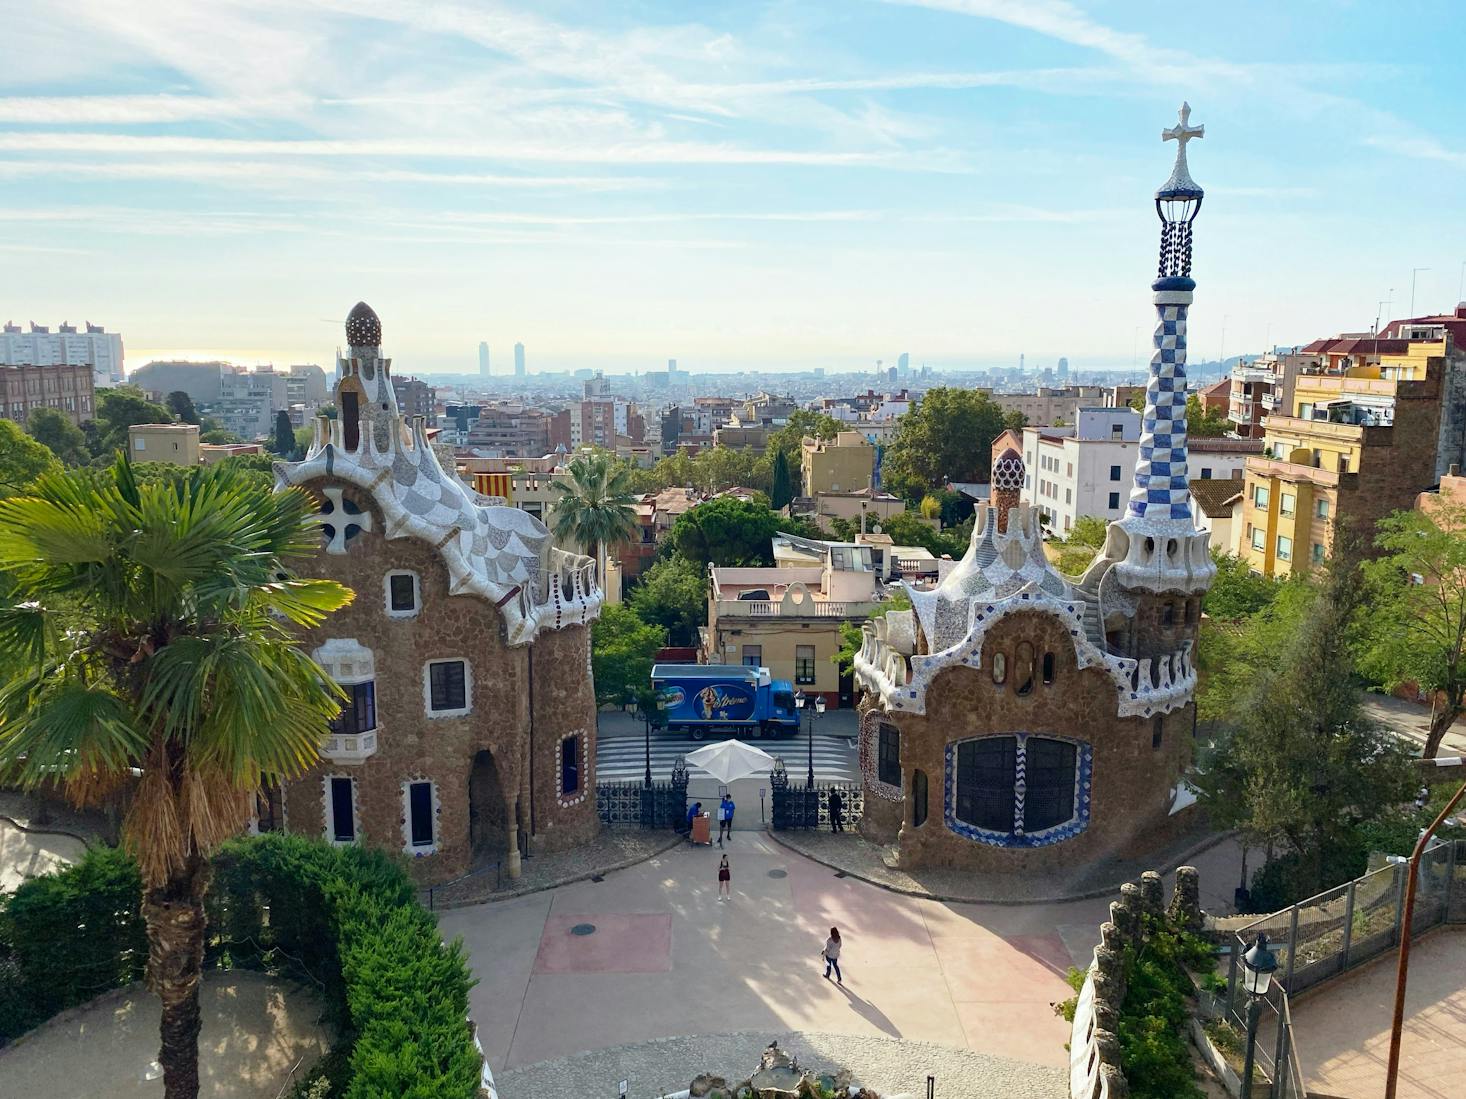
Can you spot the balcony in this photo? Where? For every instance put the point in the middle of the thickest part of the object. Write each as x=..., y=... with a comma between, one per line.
x=809, y=608
x=351, y=747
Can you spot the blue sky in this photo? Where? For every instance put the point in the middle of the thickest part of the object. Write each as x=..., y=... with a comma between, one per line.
x=760, y=184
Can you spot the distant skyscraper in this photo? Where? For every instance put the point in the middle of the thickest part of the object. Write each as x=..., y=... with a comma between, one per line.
x=519, y=360
x=1063, y=369
x=1020, y=362
x=483, y=358
x=903, y=364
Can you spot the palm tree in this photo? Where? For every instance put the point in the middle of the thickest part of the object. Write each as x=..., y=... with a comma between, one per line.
x=597, y=508
x=145, y=642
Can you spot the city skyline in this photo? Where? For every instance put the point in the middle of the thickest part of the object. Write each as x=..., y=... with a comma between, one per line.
x=765, y=189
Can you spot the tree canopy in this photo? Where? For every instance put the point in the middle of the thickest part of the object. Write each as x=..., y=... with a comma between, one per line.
x=672, y=594
x=117, y=410
x=1297, y=766
x=181, y=405
x=54, y=430
x=726, y=531
x=596, y=506
x=1416, y=629
x=1205, y=423
x=22, y=459
x=1238, y=591
x=623, y=649
x=947, y=437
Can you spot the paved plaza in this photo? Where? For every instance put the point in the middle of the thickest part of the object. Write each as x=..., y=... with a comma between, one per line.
x=25, y=854
x=668, y=959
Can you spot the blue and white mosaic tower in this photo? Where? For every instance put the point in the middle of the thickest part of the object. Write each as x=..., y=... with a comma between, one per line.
x=1157, y=543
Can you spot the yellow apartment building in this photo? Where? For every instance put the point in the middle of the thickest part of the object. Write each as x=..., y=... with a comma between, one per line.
x=1363, y=437
x=845, y=463
x=176, y=444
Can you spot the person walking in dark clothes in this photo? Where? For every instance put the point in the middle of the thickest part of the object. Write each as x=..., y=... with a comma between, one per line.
x=725, y=876
x=837, y=812
x=831, y=955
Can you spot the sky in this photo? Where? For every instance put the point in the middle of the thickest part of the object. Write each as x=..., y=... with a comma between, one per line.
x=771, y=185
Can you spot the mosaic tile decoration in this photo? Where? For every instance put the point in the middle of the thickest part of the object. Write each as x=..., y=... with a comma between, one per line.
x=1083, y=794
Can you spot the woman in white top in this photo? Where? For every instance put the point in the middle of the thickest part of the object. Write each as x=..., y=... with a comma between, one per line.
x=831, y=955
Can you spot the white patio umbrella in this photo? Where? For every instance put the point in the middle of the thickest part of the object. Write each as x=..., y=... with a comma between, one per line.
x=729, y=760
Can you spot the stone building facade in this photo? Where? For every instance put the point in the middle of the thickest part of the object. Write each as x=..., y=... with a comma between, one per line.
x=1014, y=721
x=469, y=734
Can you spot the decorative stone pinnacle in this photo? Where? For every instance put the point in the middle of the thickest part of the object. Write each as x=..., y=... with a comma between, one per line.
x=1181, y=181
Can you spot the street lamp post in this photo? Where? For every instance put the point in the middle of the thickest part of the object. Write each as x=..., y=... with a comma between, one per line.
x=1258, y=966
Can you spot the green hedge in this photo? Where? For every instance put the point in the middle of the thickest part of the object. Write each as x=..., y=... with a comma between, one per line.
x=344, y=918
x=65, y=938
x=349, y=918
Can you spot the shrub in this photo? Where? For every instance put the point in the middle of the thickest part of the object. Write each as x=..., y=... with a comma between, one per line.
x=1289, y=878
x=66, y=937
x=349, y=917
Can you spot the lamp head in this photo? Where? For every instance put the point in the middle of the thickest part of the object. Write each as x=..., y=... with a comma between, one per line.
x=1258, y=966
x=819, y=704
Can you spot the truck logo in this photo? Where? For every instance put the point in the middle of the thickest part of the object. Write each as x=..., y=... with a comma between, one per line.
x=716, y=701
x=672, y=697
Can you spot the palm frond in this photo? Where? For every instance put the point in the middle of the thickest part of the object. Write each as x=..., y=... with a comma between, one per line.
x=53, y=725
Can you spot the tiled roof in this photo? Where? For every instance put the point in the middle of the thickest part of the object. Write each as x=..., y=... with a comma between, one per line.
x=1215, y=496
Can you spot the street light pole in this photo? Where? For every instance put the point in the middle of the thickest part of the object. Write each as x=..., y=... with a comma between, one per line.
x=1402, y=967
x=647, y=717
x=1258, y=966
x=819, y=708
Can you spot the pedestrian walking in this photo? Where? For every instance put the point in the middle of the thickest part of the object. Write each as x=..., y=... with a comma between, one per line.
x=831, y=955
x=725, y=819
x=725, y=877
x=837, y=812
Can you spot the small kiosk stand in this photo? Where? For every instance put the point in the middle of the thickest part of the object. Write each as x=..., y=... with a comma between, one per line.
x=702, y=829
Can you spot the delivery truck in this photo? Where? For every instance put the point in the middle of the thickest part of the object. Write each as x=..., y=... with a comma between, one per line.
x=724, y=699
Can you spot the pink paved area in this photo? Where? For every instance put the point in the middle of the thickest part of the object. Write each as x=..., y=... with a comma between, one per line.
x=1343, y=1028
x=669, y=959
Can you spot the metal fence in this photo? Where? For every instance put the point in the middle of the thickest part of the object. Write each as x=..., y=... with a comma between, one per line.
x=660, y=805
x=1334, y=932
x=800, y=806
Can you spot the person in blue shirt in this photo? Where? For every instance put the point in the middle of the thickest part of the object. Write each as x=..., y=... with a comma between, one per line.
x=692, y=815
x=725, y=819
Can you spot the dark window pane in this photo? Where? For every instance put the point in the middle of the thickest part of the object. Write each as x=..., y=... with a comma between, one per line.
x=918, y=798
x=446, y=681
x=359, y=715
x=1048, y=668
x=985, y=775
x=343, y=824
x=420, y=813
x=889, y=762
x=404, y=597
x=1050, y=774
x=570, y=765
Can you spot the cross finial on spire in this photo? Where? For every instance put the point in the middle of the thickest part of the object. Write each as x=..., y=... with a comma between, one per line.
x=1183, y=132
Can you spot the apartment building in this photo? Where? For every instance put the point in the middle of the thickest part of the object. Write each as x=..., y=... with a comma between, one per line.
x=1051, y=406
x=1364, y=436
x=68, y=388
x=846, y=463
x=92, y=346
x=416, y=398
x=1263, y=386
x=1086, y=469
x=175, y=444
x=788, y=619
x=248, y=400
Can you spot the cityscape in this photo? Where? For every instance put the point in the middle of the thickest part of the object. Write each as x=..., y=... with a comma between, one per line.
x=744, y=601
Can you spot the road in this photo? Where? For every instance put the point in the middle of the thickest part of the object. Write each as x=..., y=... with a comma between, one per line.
x=1411, y=720
x=621, y=748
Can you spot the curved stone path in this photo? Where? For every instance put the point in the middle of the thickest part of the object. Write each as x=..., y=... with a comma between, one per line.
x=889, y=1065
x=255, y=1030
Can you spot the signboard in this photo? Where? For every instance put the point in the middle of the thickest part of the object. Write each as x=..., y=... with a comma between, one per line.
x=723, y=702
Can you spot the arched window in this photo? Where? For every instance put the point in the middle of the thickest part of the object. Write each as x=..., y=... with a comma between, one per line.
x=888, y=758
x=1157, y=731
x=1000, y=669
x=1023, y=668
x=1048, y=668
x=918, y=798
x=1016, y=791
x=1168, y=614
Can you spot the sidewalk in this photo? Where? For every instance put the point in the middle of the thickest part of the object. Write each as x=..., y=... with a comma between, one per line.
x=1343, y=1029
x=1216, y=854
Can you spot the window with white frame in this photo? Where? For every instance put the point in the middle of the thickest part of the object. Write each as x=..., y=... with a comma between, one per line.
x=570, y=765
x=447, y=689
x=1285, y=548
x=404, y=594
x=340, y=808
x=420, y=817
x=1259, y=538
x=352, y=665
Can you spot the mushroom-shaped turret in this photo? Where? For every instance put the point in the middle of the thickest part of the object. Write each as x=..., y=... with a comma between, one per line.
x=363, y=327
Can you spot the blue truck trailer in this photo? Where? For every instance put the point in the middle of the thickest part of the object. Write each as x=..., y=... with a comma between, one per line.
x=726, y=699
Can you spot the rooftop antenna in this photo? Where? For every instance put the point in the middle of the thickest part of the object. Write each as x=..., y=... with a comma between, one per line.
x=1413, y=272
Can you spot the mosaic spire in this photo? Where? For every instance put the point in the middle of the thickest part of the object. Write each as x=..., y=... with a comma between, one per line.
x=1161, y=490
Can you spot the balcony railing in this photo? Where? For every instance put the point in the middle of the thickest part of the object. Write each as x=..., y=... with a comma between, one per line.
x=351, y=747
x=809, y=608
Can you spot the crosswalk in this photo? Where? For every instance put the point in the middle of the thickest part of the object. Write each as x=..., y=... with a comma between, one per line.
x=623, y=758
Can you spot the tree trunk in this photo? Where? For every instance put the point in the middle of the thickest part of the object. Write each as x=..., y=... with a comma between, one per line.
x=1441, y=719
x=175, y=917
